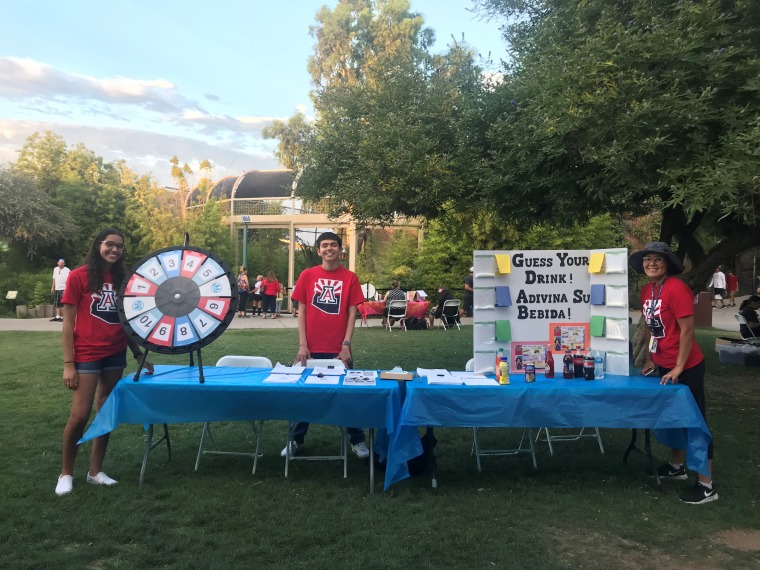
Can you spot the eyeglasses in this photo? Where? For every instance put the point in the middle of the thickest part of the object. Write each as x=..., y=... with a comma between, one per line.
x=652, y=259
x=113, y=245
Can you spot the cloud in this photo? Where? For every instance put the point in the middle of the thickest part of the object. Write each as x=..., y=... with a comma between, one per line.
x=22, y=79
x=145, y=151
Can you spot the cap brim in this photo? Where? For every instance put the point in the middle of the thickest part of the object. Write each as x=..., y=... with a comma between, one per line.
x=637, y=261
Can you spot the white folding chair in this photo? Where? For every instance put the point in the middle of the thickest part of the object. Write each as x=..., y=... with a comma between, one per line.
x=450, y=313
x=258, y=431
x=753, y=338
x=396, y=310
x=343, y=455
x=549, y=438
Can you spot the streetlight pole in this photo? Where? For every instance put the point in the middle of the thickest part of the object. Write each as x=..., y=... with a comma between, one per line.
x=246, y=221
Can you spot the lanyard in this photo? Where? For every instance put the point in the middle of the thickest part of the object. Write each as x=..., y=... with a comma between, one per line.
x=650, y=311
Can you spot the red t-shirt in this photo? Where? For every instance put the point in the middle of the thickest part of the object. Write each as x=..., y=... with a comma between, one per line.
x=675, y=302
x=270, y=287
x=732, y=282
x=97, y=330
x=326, y=297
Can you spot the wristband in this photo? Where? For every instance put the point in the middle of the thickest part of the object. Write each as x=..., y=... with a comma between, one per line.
x=346, y=343
x=68, y=362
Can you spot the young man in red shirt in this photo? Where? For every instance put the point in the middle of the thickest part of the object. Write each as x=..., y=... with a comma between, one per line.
x=328, y=296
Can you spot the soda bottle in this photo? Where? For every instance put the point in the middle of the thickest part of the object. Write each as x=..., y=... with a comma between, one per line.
x=567, y=365
x=598, y=365
x=499, y=358
x=530, y=372
x=588, y=367
x=503, y=372
x=578, y=364
x=549, y=367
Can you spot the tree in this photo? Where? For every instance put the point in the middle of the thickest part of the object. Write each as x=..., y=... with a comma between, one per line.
x=292, y=136
x=206, y=230
x=28, y=215
x=42, y=158
x=630, y=107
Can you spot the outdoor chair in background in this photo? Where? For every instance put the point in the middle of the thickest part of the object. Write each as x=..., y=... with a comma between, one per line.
x=450, y=314
x=396, y=310
x=752, y=339
x=343, y=455
x=258, y=431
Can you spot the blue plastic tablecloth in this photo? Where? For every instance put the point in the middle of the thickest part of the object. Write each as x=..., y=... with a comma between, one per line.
x=174, y=395
x=614, y=402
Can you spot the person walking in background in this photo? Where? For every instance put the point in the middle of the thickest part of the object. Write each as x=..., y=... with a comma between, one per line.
x=243, y=288
x=467, y=297
x=278, y=302
x=269, y=288
x=328, y=296
x=60, y=275
x=718, y=284
x=732, y=284
x=94, y=349
x=668, y=307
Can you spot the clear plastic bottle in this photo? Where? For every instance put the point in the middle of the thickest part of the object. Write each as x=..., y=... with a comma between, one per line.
x=598, y=365
x=503, y=373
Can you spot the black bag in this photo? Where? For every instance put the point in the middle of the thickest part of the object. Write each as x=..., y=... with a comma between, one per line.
x=418, y=465
x=416, y=324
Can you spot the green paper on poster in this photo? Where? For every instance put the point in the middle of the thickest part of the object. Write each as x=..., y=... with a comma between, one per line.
x=597, y=325
x=503, y=331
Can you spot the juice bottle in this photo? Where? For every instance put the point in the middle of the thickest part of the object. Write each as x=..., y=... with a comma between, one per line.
x=504, y=372
x=567, y=365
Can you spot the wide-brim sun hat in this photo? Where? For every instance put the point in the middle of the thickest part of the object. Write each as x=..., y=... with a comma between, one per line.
x=656, y=248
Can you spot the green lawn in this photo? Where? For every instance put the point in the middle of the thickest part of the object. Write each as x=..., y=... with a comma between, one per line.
x=579, y=510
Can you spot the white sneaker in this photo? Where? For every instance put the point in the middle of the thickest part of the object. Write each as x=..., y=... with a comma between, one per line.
x=65, y=485
x=294, y=446
x=101, y=479
x=360, y=449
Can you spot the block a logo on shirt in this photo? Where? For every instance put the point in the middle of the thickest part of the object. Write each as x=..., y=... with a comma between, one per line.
x=103, y=305
x=654, y=319
x=327, y=295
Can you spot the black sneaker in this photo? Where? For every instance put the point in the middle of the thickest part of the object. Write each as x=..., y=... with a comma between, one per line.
x=667, y=471
x=699, y=494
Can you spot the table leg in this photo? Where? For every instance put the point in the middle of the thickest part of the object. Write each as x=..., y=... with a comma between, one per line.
x=371, y=461
x=147, y=453
x=432, y=462
x=647, y=452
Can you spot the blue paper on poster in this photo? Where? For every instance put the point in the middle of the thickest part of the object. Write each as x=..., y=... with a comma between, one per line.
x=597, y=294
x=503, y=298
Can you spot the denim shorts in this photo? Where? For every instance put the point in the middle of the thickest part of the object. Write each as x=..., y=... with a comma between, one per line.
x=116, y=361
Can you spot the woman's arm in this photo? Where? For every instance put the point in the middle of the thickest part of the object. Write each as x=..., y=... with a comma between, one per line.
x=67, y=342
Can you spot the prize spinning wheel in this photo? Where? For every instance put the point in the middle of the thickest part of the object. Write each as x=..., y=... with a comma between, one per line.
x=177, y=300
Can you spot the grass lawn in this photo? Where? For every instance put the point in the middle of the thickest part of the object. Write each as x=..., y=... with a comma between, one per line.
x=579, y=510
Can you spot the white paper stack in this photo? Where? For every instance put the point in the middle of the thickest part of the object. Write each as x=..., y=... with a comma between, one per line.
x=474, y=379
x=283, y=378
x=438, y=376
x=282, y=369
x=323, y=379
x=332, y=371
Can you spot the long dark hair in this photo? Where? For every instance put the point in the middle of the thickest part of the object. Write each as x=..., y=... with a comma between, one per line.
x=748, y=300
x=96, y=264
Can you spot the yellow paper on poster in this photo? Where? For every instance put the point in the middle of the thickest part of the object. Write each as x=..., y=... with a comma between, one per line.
x=596, y=263
x=503, y=264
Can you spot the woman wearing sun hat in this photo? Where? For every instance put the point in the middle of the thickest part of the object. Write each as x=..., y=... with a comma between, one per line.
x=667, y=304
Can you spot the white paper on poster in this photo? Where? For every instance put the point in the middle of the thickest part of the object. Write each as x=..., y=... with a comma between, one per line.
x=616, y=262
x=617, y=363
x=616, y=296
x=615, y=328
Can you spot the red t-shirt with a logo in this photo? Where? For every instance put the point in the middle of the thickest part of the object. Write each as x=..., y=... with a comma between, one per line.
x=672, y=301
x=97, y=330
x=326, y=297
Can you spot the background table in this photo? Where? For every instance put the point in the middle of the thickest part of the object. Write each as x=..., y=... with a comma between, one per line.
x=614, y=402
x=174, y=395
x=413, y=309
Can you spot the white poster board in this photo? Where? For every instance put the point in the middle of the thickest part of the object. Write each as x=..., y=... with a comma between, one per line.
x=527, y=300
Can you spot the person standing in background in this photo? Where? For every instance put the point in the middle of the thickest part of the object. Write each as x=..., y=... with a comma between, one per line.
x=732, y=284
x=269, y=288
x=467, y=297
x=256, y=296
x=60, y=275
x=243, y=287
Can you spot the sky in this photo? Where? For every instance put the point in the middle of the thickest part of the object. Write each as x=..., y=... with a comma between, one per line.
x=144, y=80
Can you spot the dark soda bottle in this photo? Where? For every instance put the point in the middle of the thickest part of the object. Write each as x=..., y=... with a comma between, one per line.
x=549, y=367
x=578, y=364
x=567, y=365
x=588, y=366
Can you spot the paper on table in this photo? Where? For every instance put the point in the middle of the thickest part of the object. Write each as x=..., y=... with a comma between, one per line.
x=314, y=379
x=282, y=369
x=334, y=371
x=473, y=381
x=360, y=378
x=283, y=378
x=438, y=376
